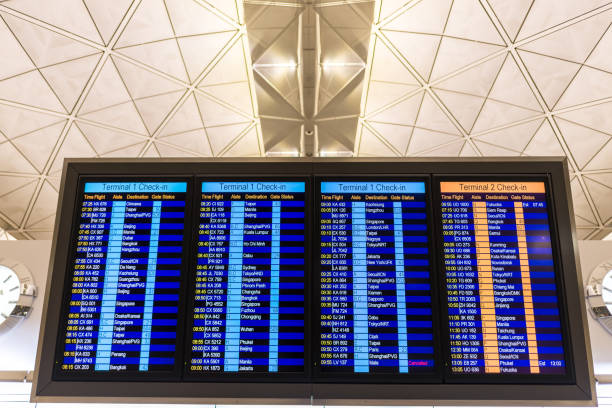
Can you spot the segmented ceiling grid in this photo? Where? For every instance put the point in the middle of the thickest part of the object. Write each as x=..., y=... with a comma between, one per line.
x=168, y=78
x=143, y=78
x=496, y=78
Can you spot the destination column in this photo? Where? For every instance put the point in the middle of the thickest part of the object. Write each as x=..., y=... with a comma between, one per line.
x=485, y=286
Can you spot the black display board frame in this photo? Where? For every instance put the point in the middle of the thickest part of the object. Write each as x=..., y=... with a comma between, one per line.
x=246, y=377
x=580, y=391
x=123, y=375
x=367, y=378
x=450, y=377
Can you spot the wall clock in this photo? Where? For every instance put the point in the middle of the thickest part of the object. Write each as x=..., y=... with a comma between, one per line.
x=17, y=293
x=599, y=294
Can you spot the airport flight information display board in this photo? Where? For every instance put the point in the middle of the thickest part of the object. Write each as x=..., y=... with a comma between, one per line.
x=315, y=281
x=249, y=307
x=375, y=280
x=503, y=312
x=125, y=279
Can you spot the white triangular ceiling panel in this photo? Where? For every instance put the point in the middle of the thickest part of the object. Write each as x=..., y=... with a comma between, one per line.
x=551, y=75
x=221, y=136
x=107, y=18
x=424, y=140
x=15, y=204
x=247, y=146
x=455, y=53
x=214, y=114
x=396, y=136
x=199, y=51
x=428, y=16
x=19, y=61
x=107, y=90
x=381, y=94
x=470, y=21
x=191, y=17
x=16, y=121
x=513, y=138
x=74, y=145
x=597, y=117
x=371, y=145
x=544, y=143
x=186, y=118
x=402, y=113
x=107, y=140
x=150, y=21
x=418, y=49
x=589, y=85
x=164, y=56
x=68, y=79
x=195, y=140
x=37, y=146
x=30, y=89
x=69, y=15
x=230, y=68
x=123, y=116
x=584, y=143
x=46, y=47
x=511, y=14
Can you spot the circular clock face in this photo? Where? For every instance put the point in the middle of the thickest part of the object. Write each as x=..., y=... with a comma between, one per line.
x=9, y=292
x=606, y=290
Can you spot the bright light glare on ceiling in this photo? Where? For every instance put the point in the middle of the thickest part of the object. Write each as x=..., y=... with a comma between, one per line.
x=291, y=65
x=335, y=153
x=331, y=64
x=292, y=153
x=608, y=237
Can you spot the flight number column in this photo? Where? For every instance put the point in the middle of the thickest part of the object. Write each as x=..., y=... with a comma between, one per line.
x=210, y=305
x=336, y=284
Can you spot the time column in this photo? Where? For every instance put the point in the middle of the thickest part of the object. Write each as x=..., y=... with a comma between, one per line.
x=336, y=282
x=86, y=293
x=461, y=270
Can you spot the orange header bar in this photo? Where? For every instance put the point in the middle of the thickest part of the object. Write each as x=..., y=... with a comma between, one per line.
x=492, y=187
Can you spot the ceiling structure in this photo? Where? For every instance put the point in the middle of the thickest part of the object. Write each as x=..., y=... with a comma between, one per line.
x=202, y=78
x=309, y=60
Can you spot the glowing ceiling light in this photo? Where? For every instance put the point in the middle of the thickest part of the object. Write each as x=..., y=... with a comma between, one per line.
x=335, y=153
x=608, y=237
x=291, y=153
x=332, y=64
x=291, y=65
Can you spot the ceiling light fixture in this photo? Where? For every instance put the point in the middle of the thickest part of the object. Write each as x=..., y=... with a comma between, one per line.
x=291, y=65
x=335, y=153
x=342, y=64
x=292, y=153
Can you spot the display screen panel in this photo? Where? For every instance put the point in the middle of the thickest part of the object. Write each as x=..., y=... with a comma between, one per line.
x=503, y=305
x=124, y=282
x=250, y=279
x=375, y=279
